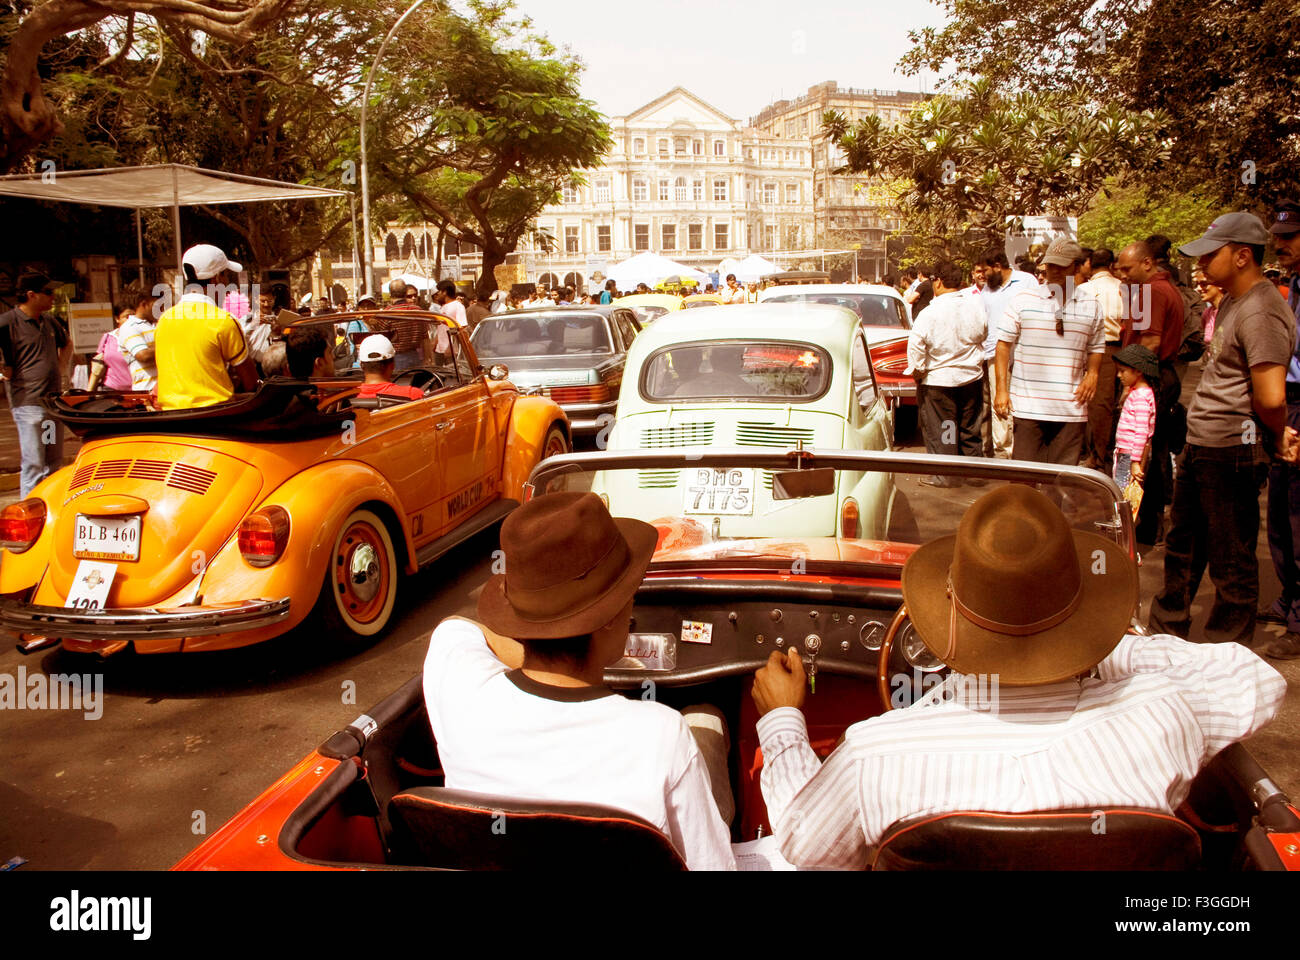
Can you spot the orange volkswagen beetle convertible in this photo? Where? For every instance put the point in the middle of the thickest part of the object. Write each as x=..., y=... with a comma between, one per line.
x=226, y=525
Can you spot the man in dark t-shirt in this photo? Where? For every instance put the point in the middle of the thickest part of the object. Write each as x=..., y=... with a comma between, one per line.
x=34, y=350
x=1236, y=423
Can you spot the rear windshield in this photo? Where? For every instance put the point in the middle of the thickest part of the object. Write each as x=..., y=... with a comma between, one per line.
x=873, y=309
x=737, y=370
x=647, y=314
x=536, y=336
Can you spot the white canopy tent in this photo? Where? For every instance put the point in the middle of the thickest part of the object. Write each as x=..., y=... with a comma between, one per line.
x=651, y=269
x=172, y=185
x=753, y=268
x=423, y=284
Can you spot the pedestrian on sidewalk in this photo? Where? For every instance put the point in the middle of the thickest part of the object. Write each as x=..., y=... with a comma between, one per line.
x=35, y=350
x=1001, y=283
x=137, y=335
x=945, y=350
x=1105, y=286
x=1137, y=419
x=1236, y=422
x=1057, y=337
x=1284, y=478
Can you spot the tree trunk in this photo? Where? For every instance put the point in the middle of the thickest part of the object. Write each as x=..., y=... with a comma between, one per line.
x=437, y=267
x=493, y=256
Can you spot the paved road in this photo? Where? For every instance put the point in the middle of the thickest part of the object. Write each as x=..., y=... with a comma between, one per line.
x=203, y=734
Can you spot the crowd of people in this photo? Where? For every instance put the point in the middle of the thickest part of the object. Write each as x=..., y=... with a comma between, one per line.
x=1080, y=360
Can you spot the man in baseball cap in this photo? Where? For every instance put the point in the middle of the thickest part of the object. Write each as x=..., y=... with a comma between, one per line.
x=198, y=345
x=1236, y=422
x=377, y=367
x=1284, y=479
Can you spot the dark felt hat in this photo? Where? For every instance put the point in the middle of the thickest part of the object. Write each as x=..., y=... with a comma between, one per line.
x=1019, y=594
x=1140, y=358
x=570, y=568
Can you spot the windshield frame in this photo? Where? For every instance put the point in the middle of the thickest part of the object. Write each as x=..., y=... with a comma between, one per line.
x=810, y=296
x=551, y=315
x=891, y=461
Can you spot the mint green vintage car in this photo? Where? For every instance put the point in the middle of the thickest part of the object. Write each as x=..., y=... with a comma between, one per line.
x=779, y=376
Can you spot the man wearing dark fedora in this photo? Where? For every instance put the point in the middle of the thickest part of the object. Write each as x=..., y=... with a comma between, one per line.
x=1082, y=715
x=518, y=705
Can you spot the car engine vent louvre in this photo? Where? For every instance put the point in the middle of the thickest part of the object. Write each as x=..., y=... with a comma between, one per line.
x=657, y=479
x=150, y=469
x=83, y=475
x=681, y=435
x=193, y=479
x=770, y=435
x=111, y=469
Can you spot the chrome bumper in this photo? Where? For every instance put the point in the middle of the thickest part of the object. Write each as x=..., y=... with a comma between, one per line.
x=587, y=417
x=140, y=623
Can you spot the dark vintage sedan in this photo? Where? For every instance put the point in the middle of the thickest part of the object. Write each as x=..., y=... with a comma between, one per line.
x=574, y=355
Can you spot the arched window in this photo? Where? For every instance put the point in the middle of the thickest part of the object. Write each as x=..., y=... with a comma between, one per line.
x=408, y=245
x=573, y=280
x=391, y=251
x=548, y=280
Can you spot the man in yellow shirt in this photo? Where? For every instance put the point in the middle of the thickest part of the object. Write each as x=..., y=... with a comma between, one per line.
x=196, y=341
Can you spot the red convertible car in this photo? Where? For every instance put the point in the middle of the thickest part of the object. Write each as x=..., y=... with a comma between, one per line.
x=372, y=795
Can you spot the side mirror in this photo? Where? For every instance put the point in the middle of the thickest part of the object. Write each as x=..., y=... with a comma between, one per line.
x=801, y=484
x=498, y=371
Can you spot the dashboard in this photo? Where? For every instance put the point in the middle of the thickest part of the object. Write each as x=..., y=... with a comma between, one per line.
x=689, y=631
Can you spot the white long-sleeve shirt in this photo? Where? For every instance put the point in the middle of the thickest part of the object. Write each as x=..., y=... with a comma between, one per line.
x=500, y=732
x=1134, y=735
x=947, y=340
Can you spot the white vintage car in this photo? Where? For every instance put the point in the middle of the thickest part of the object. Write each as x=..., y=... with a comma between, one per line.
x=777, y=376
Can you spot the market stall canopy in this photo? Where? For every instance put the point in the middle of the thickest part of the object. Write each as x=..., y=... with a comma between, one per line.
x=420, y=283
x=753, y=268
x=162, y=185
x=173, y=185
x=650, y=269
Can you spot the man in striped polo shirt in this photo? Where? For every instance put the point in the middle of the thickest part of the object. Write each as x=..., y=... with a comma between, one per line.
x=1057, y=335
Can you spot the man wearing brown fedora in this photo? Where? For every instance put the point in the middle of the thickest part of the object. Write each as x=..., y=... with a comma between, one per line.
x=518, y=705
x=1084, y=716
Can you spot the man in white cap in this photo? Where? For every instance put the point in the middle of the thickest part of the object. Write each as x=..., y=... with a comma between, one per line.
x=197, y=344
x=376, y=356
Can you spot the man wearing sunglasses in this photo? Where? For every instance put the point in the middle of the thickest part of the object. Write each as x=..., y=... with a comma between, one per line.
x=1057, y=335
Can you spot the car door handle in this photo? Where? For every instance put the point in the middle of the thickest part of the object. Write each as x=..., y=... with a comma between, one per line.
x=443, y=425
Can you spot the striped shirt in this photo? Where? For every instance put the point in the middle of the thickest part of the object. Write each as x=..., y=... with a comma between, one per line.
x=1137, y=421
x=1135, y=734
x=1048, y=367
x=136, y=336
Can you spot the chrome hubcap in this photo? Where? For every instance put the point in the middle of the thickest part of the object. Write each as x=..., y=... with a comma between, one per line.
x=363, y=572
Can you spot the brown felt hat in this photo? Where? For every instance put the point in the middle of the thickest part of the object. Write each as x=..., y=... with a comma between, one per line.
x=1018, y=593
x=570, y=568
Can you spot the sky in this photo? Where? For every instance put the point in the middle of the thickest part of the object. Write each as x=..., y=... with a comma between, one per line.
x=738, y=55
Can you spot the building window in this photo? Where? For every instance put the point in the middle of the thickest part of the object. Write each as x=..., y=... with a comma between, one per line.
x=663, y=190
x=720, y=190
x=721, y=238
x=663, y=147
x=679, y=190
x=640, y=190
x=792, y=237
x=719, y=148
x=669, y=231
x=697, y=190
x=641, y=236
x=792, y=193
x=769, y=236
x=638, y=146
x=697, y=147
x=679, y=146
x=391, y=251
x=602, y=191
x=570, y=239
x=603, y=241
x=570, y=193
x=695, y=236
x=769, y=193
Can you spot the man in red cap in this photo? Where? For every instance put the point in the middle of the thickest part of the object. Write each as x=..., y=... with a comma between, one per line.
x=519, y=707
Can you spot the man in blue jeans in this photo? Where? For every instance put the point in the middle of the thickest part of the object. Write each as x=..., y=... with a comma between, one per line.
x=34, y=351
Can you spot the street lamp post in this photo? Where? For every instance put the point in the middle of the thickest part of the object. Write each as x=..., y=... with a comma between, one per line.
x=365, y=178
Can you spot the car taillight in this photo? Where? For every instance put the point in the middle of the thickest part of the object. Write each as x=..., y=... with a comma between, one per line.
x=599, y=393
x=21, y=524
x=849, y=519
x=263, y=536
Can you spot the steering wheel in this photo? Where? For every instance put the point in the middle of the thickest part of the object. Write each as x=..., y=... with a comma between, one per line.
x=886, y=646
x=433, y=383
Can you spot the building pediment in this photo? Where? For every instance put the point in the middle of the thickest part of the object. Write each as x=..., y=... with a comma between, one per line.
x=679, y=108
